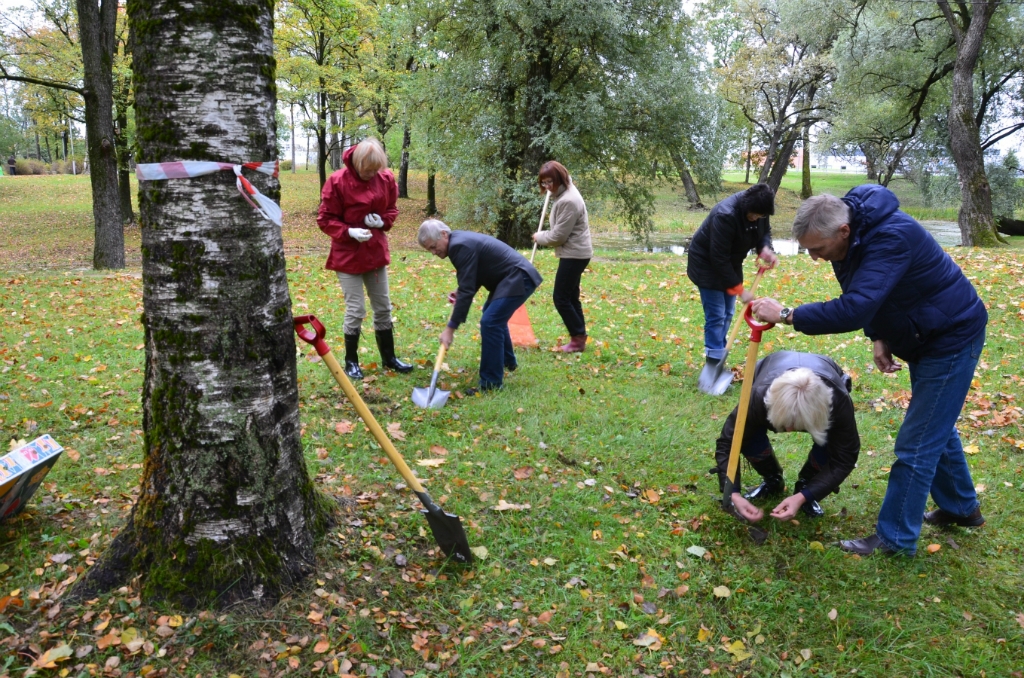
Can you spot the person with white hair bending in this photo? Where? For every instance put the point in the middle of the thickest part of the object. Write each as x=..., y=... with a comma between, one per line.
x=794, y=392
x=358, y=206
x=483, y=261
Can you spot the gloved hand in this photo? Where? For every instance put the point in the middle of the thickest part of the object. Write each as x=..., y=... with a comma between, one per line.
x=360, y=234
x=373, y=221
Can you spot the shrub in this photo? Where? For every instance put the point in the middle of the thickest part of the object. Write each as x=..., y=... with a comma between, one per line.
x=25, y=166
x=286, y=165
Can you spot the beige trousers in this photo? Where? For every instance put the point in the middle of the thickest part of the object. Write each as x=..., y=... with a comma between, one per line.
x=376, y=283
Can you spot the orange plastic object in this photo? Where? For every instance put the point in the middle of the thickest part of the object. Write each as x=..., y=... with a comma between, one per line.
x=521, y=330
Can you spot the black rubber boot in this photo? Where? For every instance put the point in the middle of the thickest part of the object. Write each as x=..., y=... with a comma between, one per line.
x=386, y=346
x=352, y=356
x=811, y=508
x=772, y=482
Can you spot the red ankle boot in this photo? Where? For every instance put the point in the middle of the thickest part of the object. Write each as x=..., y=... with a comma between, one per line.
x=577, y=344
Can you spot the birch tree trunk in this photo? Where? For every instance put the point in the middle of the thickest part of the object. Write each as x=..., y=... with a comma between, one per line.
x=977, y=224
x=96, y=24
x=806, y=191
x=226, y=511
x=403, y=168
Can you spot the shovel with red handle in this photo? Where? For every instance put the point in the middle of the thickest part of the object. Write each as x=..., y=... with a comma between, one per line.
x=756, y=329
x=447, y=528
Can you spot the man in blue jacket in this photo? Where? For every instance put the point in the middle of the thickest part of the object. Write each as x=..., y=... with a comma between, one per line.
x=483, y=261
x=914, y=302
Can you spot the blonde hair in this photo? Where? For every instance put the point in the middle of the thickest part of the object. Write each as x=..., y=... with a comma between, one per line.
x=800, y=400
x=369, y=156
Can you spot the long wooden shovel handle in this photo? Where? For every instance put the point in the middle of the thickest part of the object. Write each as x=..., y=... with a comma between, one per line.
x=440, y=358
x=741, y=415
x=315, y=337
x=739, y=319
x=371, y=423
x=540, y=226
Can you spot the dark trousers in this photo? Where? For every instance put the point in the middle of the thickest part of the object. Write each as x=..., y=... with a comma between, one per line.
x=566, y=294
x=496, y=352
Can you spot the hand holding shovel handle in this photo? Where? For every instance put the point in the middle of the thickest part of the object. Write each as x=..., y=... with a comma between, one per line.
x=756, y=329
x=540, y=226
x=447, y=528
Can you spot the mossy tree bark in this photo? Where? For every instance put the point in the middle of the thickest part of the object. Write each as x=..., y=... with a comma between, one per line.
x=968, y=24
x=97, y=23
x=226, y=511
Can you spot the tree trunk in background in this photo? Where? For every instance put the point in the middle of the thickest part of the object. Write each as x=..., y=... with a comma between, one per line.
x=336, y=144
x=403, y=168
x=39, y=150
x=49, y=153
x=227, y=512
x=293, y=137
x=688, y=185
x=124, y=183
x=870, y=162
x=781, y=162
x=431, y=195
x=321, y=134
x=96, y=25
x=805, y=189
x=977, y=224
x=750, y=148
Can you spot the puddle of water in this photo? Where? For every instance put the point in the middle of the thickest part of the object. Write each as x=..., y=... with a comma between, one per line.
x=946, y=233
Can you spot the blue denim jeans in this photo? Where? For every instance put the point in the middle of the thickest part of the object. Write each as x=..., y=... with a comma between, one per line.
x=718, y=310
x=496, y=352
x=929, y=455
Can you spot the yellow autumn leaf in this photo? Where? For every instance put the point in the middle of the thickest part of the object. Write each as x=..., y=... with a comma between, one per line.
x=49, y=659
x=621, y=625
x=972, y=449
x=722, y=592
x=738, y=651
x=175, y=621
x=430, y=462
x=703, y=634
x=129, y=634
x=816, y=546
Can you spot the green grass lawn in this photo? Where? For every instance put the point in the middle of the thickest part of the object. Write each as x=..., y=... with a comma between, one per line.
x=609, y=450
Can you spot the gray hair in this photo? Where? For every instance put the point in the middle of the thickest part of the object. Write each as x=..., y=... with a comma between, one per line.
x=823, y=214
x=430, y=232
x=800, y=400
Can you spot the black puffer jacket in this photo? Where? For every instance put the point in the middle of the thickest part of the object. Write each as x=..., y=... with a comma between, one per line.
x=843, y=445
x=718, y=248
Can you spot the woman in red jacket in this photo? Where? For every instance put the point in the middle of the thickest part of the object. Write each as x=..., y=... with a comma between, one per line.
x=358, y=206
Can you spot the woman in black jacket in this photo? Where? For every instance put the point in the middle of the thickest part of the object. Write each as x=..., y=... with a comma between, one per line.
x=732, y=229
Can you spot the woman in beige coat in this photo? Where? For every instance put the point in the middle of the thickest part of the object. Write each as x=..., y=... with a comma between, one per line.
x=569, y=232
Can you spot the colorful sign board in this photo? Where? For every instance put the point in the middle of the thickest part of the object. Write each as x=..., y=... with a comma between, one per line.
x=21, y=472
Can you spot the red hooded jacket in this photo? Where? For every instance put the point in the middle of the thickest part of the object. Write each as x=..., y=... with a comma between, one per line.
x=344, y=202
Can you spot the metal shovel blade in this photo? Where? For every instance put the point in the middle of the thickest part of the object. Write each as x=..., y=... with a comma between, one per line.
x=421, y=397
x=709, y=376
x=722, y=383
x=447, y=529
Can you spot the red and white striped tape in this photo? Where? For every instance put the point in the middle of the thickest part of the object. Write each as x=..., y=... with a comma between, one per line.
x=184, y=169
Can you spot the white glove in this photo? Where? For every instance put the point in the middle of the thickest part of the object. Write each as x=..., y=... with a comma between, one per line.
x=360, y=234
x=373, y=221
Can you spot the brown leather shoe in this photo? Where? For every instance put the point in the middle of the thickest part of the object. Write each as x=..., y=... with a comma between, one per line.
x=866, y=546
x=577, y=344
x=941, y=518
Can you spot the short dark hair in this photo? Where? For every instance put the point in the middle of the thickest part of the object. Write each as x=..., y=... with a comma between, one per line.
x=758, y=199
x=555, y=171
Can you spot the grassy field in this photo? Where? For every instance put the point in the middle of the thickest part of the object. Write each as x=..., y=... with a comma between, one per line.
x=617, y=561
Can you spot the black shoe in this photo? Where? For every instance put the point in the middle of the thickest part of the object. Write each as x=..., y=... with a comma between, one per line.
x=867, y=546
x=352, y=356
x=353, y=370
x=512, y=368
x=771, y=486
x=386, y=346
x=471, y=391
x=941, y=518
x=811, y=508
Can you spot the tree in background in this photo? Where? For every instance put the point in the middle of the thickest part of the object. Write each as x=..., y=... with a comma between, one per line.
x=780, y=76
x=226, y=511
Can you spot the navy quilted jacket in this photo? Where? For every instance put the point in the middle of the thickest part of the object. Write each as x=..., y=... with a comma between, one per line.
x=898, y=284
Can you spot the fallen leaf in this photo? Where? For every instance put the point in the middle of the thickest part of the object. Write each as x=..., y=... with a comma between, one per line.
x=175, y=621
x=1020, y=619
x=431, y=462
x=438, y=450
x=523, y=472
x=395, y=430
x=321, y=453
x=129, y=634
x=738, y=651
x=652, y=496
x=816, y=546
x=107, y=641
x=49, y=659
x=833, y=613
x=621, y=625
x=550, y=561
x=650, y=638
x=806, y=654
x=322, y=646
x=479, y=551
x=344, y=426
x=698, y=551
x=505, y=506
x=933, y=548
x=722, y=592
x=703, y=634
x=72, y=454
x=545, y=616
x=972, y=449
